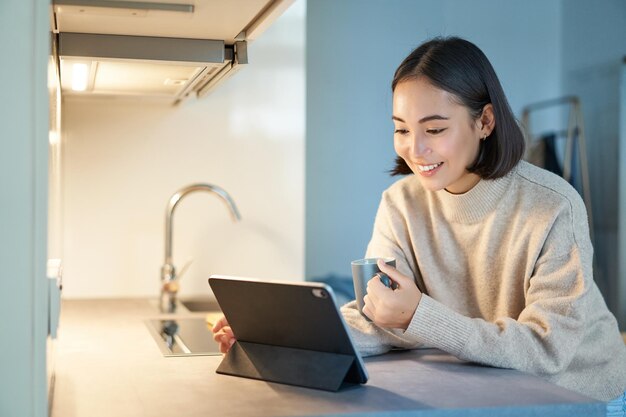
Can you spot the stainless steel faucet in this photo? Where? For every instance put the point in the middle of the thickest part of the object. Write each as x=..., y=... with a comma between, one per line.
x=169, y=280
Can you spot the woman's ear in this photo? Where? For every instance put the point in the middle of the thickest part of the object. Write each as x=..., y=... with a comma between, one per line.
x=487, y=120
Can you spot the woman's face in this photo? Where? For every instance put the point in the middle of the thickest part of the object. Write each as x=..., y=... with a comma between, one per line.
x=435, y=136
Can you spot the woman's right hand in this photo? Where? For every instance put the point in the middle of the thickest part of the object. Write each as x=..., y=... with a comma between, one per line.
x=223, y=334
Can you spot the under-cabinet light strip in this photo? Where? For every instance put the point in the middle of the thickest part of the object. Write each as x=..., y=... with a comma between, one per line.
x=137, y=5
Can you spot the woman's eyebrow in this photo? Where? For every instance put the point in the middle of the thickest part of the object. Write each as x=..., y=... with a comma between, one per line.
x=433, y=117
x=423, y=119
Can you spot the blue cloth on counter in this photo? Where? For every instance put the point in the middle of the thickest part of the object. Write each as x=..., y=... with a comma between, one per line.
x=617, y=407
x=341, y=285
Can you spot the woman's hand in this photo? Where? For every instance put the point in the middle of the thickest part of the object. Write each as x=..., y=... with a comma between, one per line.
x=223, y=334
x=391, y=308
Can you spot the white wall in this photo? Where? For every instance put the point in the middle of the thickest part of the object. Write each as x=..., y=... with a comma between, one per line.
x=124, y=159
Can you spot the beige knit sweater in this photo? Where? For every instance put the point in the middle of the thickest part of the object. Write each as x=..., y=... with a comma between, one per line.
x=506, y=273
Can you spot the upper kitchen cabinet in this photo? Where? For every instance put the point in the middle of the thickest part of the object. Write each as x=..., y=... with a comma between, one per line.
x=157, y=49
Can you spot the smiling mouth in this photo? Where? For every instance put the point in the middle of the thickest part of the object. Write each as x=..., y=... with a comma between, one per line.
x=428, y=168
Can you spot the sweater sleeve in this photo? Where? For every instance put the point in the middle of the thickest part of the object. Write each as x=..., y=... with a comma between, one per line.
x=545, y=336
x=388, y=242
x=369, y=338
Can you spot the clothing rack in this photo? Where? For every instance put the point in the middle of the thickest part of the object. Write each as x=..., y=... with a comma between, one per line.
x=574, y=132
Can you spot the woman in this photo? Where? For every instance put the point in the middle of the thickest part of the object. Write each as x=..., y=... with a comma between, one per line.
x=493, y=256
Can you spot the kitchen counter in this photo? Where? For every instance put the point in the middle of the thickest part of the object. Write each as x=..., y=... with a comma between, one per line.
x=107, y=364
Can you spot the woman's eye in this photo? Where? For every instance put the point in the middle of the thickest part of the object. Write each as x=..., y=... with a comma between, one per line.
x=435, y=131
x=400, y=131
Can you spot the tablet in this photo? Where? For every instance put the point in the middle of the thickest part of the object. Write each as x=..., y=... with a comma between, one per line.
x=288, y=332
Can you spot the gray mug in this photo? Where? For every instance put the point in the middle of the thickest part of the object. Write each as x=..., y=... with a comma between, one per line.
x=362, y=271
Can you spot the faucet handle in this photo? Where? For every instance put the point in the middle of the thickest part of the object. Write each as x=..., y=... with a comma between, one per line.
x=184, y=268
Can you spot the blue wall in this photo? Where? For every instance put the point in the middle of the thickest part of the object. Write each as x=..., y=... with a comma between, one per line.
x=24, y=315
x=621, y=308
x=594, y=44
x=353, y=48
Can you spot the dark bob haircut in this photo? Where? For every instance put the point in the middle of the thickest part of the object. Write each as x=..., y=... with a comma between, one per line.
x=460, y=68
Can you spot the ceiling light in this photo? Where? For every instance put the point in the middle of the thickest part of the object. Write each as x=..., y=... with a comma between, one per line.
x=80, y=76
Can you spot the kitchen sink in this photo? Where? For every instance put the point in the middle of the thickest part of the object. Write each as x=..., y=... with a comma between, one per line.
x=187, y=330
x=190, y=336
x=200, y=304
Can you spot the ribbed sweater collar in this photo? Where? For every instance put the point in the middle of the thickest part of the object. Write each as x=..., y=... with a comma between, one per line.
x=472, y=206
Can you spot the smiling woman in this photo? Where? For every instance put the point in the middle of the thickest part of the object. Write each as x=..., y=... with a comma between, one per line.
x=493, y=255
x=438, y=147
x=457, y=80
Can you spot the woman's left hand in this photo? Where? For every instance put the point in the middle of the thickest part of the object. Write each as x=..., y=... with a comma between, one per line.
x=391, y=308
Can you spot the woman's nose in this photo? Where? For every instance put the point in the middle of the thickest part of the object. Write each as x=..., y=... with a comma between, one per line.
x=418, y=147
